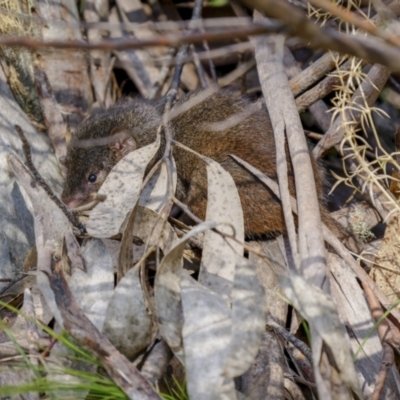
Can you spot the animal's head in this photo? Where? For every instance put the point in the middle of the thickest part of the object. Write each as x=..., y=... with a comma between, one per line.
x=100, y=142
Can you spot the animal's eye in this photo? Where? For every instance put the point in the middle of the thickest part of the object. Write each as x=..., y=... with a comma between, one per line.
x=92, y=178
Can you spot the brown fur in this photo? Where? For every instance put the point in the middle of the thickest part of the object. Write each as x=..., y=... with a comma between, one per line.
x=250, y=137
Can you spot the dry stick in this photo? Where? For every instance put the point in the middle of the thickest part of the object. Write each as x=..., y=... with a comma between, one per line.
x=171, y=96
x=211, y=64
x=75, y=322
x=8, y=349
x=165, y=68
x=221, y=53
x=321, y=90
x=199, y=67
x=313, y=73
x=136, y=63
x=27, y=152
x=319, y=109
x=371, y=49
x=299, y=344
x=284, y=117
x=329, y=237
x=237, y=73
x=53, y=118
x=383, y=330
x=100, y=61
x=367, y=93
x=354, y=19
x=360, y=46
x=182, y=53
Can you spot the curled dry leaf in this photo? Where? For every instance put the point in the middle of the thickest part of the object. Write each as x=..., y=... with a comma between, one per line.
x=320, y=312
x=93, y=289
x=122, y=190
x=167, y=291
x=219, y=253
x=153, y=230
x=155, y=194
x=128, y=324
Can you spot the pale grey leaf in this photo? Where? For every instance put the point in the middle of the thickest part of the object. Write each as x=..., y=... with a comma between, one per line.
x=207, y=331
x=93, y=289
x=128, y=325
x=61, y=359
x=219, y=253
x=320, y=312
x=122, y=191
x=167, y=291
x=248, y=318
x=354, y=310
x=155, y=194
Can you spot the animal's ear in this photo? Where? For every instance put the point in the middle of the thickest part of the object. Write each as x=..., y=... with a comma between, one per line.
x=62, y=160
x=122, y=142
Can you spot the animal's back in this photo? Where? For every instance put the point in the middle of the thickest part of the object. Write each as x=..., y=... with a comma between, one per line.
x=223, y=124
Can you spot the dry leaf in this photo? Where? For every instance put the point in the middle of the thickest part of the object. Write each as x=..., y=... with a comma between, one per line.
x=320, y=312
x=219, y=254
x=122, y=191
x=248, y=318
x=128, y=324
x=355, y=312
x=93, y=289
x=167, y=291
x=207, y=331
x=55, y=225
x=155, y=194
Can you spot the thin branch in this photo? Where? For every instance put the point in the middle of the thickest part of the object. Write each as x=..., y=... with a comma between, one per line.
x=367, y=93
x=360, y=46
x=354, y=19
x=313, y=73
x=170, y=40
x=27, y=152
x=299, y=344
x=322, y=89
